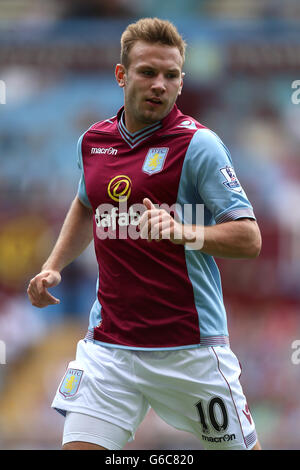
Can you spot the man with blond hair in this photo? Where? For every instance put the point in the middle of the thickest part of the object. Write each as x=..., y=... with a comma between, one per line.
x=159, y=196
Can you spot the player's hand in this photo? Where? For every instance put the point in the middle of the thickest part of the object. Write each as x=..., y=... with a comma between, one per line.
x=158, y=224
x=37, y=288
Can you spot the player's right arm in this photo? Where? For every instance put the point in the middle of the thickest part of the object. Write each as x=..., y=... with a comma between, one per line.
x=75, y=235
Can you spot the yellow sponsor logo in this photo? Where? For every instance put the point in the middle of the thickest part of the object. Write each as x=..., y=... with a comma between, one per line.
x=119, y=188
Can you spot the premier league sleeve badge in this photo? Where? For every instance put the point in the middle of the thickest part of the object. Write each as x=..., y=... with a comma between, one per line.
x=231, y=182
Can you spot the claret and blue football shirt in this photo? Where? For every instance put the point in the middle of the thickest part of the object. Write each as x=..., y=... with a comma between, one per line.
x=156, y=295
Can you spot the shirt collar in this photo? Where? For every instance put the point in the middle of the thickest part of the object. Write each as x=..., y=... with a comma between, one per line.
x=135, y=138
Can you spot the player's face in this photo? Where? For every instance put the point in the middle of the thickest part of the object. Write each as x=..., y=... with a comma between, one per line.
x=151, y=83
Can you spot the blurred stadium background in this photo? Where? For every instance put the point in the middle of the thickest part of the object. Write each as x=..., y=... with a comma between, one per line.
x=57, y=59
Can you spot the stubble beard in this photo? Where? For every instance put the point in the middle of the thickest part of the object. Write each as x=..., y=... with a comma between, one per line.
x=148, y=117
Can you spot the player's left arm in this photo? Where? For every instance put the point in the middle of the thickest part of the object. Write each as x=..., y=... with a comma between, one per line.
x=239, y=238
x=230, y=230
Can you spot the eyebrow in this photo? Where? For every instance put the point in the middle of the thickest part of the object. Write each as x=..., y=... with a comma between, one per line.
x=142, y=66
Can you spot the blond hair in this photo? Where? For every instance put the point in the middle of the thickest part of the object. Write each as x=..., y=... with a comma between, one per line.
x=151, y=30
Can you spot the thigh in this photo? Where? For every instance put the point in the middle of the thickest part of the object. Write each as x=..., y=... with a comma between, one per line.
x=199, y=391
x=84, y=432
x=99, y=383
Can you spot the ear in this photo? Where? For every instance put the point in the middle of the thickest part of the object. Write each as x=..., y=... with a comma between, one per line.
x=181, y=83
x=120, y=75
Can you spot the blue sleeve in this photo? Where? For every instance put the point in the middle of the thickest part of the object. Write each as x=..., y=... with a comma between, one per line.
x=214, y=179
x=81, y=192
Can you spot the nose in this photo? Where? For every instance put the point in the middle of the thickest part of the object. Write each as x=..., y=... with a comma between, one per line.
x=158, y=84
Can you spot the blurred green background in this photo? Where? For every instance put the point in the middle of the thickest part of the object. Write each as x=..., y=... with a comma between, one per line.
x=57, y=60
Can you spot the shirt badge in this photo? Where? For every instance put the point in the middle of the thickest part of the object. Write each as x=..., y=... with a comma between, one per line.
x=155, y=160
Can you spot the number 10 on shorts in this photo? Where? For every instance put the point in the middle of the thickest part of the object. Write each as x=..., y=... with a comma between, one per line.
x=215, y=414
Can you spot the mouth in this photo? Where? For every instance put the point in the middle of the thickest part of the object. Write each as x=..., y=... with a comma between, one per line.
x=154, y=101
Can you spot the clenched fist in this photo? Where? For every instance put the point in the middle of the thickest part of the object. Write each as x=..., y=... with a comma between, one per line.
x=158, y=224
x=37, y=288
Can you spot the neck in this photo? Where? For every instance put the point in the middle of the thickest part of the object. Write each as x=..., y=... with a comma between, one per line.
x=133, y=126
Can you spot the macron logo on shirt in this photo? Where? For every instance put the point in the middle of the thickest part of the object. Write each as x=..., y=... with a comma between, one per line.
x=103, y=150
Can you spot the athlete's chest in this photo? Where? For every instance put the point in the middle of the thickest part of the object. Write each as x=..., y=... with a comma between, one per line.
x=115, y=172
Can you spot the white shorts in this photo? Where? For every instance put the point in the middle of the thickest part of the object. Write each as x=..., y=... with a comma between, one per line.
x=194, y=390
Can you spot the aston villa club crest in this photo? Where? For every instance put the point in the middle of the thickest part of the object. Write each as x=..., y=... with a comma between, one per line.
x=71, y=382
x=231, y=180
x=155, y=159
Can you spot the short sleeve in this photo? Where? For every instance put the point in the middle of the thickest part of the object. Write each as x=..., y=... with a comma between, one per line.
x=214, y=178
x=81, y=192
